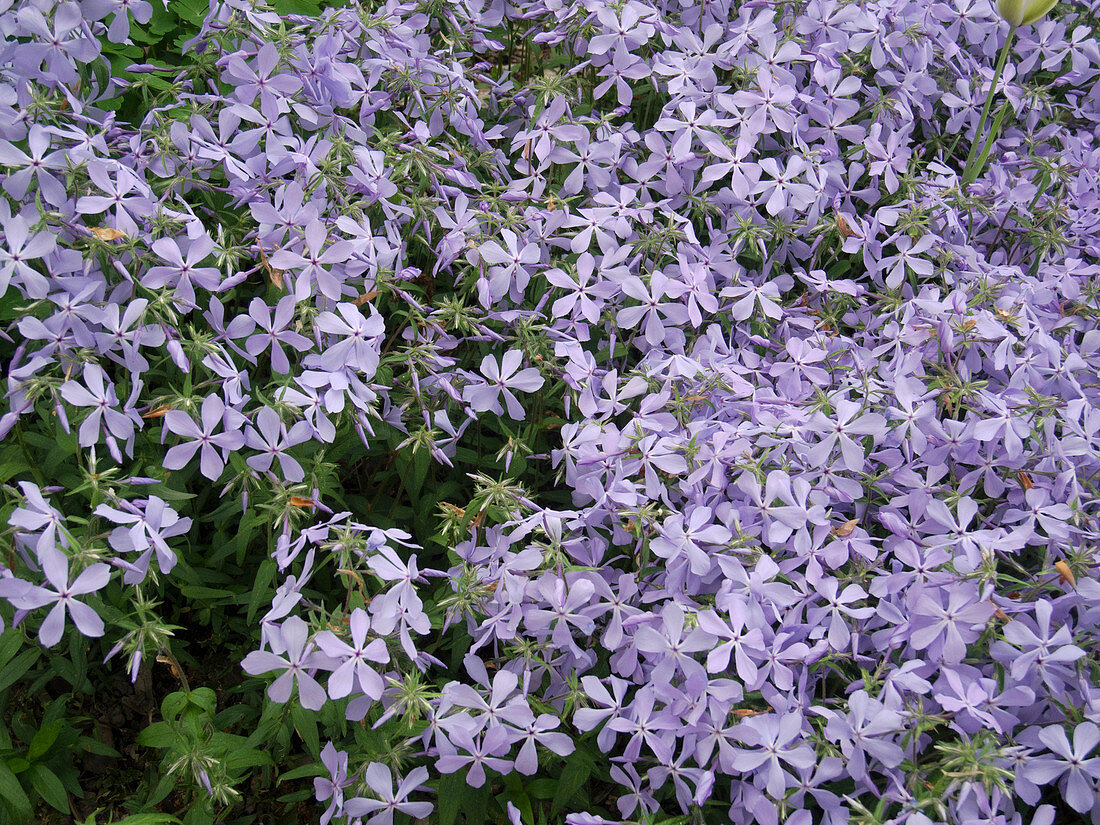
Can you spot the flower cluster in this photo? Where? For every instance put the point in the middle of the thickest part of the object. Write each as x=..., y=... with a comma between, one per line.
x=776, y=442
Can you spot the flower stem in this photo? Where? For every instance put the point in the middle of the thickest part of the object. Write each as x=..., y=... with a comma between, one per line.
x=971, y=170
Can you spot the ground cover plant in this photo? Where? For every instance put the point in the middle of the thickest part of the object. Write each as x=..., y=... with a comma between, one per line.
x=535, y=411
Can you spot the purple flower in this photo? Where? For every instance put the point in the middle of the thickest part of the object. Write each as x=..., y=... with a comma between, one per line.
x=182, y=272
x=358, y=336
x=19, y=249
x=292, y=639
x=775, y=739
x=98, y=393
x=355, y=671
x=502, y=379
x=380, y=780
x=332, y=788
x=273, y=331
x=271, y=437
x=1083, y=772
x=946, y=619
x=151, y=525
x=55, y=566
x=214, y=447
x=40, y=164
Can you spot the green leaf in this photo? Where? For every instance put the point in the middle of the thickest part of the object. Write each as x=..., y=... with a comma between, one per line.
x=173, y=705
x=204, y=698
x=10, y=642
x=97, y=747
x=159, y=735
x=171, y=496
x=11, y=673
x=194, y=591
x=451, y=790
x=305, y=723
x=302, y=772
x=191, y=11
x=260, y=586
x=570, y=782
x=517, y=795
x=13, y=792
x=542, y=788
x=246, y=758
x=42, y=740
x=148, y=819
x=49, y=787
x=414, y=470
x=166, y=785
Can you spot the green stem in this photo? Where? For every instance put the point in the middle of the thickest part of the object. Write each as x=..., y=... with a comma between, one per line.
x=970, y=171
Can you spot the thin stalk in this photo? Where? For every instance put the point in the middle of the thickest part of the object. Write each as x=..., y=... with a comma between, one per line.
x=970, y=171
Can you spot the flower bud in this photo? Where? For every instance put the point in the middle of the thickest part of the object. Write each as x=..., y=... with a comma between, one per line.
x=1024, y=12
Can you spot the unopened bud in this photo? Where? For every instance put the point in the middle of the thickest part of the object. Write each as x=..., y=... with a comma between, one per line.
x=1024, y=12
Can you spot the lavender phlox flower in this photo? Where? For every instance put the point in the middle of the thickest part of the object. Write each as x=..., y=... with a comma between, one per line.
x=785, y=188
x=61, y=592
x=977, y=702
x=909, y=259
x=123, y=191
x=586, y=293
x=748, y=295
x=669, y=648
x=37, y=514
x=123, y=331
x=119, y=30
x=652, y=313
x=1039, y=509
x=1072, y=759
x=214, y=447
x=264, y=79
x=355, y=671
x=97, y=392
x=508, y=267
x=484, y=751
x=848, y=423
x=944, y=620
x=389, y=801
x=314, y=264
x=681, y=774
x=623, y=67
x=774, y=739
x=680, y=536
x=1039, y=650
x=505, y=703
x=288, y=211
x=735, y=639
x=863, y=732
x=274, y=331
x=840, y=609
x=610, y=706
x=271, y=437
x=332, y=786
x=20, y=247
x=182, y=272
x=638, y=790
x=501, y=378
x=40, y=165
x=645, y=724
x=358, y=335
x=541, y=730
x=151, y=523
x=624, y=29
x=62, y=47
x=295, y=655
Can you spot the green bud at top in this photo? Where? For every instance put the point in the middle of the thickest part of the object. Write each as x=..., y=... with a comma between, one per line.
x=1024, y=12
